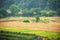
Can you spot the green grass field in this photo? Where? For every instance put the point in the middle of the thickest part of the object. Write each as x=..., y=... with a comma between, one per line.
x=50, y=35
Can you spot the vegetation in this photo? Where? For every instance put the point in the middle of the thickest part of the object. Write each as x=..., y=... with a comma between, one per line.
x=32, y=19
x=26, y=21
x=23, y=33
x=3, y=13
x=6, y=35
x=29, y=8
x=37, y=18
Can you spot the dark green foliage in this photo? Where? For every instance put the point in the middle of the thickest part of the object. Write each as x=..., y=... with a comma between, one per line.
x=26, y=21
x=3, y=13
x=37, y=18
x=31, y=6
x=5, y=35
x=8, y=35
x=58, y=38
x=14, y=10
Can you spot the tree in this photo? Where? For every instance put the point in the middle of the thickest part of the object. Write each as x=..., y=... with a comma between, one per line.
x=48, y=13
x=3, y=13
x=14, y=10
x=58, y=12
x=37, y=19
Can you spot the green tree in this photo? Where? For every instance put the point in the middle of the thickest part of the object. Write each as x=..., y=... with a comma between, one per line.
x=48, y=13
x=37, y=18
x=14, y=9
x=3, y=13
x=58, y=12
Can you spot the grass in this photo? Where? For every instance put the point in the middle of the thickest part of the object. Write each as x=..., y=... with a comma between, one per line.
x=36, y=32
x=6, y=35
x=32, y=19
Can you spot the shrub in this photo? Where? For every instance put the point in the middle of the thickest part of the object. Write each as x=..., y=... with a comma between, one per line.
x=26, y=21
x=37, y=18
x=45, y=20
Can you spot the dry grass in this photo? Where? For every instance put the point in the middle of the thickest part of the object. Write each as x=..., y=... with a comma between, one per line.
x=32, y=26
x=52, y=26
x=57, y=19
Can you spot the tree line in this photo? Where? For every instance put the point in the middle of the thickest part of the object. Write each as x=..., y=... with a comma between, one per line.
x=29, y=8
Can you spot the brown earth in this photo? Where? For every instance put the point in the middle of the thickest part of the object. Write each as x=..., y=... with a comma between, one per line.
x=54, y=27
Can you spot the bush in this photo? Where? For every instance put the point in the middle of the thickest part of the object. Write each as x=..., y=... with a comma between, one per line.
x=26, y=21
x=45, y=20
x=37, y=18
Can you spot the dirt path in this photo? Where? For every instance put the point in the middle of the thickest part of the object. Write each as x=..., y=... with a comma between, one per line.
x=55, y=27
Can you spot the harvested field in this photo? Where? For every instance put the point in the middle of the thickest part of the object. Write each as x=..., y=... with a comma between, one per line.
x=55, y=27
x=52, y=26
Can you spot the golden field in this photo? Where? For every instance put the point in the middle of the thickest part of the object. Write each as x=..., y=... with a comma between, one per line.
x=51, y=26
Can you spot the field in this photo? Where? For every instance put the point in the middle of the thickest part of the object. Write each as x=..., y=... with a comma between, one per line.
x=47, y=23
x=15, y=33
x=50, y=30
